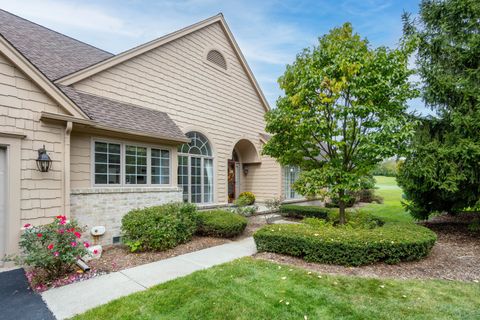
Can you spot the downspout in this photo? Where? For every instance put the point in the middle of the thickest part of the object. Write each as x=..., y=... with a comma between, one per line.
x=66, y=161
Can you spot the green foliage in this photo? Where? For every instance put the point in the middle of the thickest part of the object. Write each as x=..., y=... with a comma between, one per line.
x=248, y=196
x=296, y=211
x=159, y=228
x=347, y=245
x=54, y=247
x=442, y=173
x=343, y=111
x=220, y=223
x=387, y=168
x=335, y=202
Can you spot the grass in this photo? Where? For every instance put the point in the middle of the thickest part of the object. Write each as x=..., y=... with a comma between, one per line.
x=391, y=209
x=255, y=289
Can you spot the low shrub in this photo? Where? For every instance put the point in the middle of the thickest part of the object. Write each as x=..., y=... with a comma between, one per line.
x=296, y=211
x=53, y=247
x=356, y=219
x=249, y=196
x=333, y=203
x=159, y=228
x=220, y=223
x=323, y=243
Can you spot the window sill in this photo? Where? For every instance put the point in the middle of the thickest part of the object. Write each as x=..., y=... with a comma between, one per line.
x=96, y=190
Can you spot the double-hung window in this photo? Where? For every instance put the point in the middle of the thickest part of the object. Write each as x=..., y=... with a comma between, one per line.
x=126, y=164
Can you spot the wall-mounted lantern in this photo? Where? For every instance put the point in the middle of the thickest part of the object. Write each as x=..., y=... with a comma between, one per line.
x=245, y=169
x=44, y=163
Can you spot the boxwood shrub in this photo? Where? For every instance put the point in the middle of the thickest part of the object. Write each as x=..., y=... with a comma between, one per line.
x=296, y=211
x=159, y=228
x=324, y=243
x=220, y=223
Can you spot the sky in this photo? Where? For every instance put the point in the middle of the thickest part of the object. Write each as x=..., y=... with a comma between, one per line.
x=269, y=32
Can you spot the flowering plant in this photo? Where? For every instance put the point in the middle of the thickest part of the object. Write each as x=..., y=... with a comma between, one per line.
x=54, y=247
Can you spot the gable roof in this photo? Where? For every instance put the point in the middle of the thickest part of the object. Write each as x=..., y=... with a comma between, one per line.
x=54, y=54
x=134, y=52
x=124, y=116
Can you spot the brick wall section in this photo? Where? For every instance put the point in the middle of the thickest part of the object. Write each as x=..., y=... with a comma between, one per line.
x=21, y=103
x=106, y=206
x=175, y=78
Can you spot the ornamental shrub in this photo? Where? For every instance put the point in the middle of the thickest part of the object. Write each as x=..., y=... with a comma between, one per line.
x=220, y=223
x=296, y=211
x=159, y=228
x=323, y=243
x=249, y=196
x=53, y=247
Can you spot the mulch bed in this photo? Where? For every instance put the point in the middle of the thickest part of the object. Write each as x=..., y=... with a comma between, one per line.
x=455, y=256
x=118, y=257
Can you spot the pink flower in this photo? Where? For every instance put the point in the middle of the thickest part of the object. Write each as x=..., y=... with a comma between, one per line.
x=56, y=254
x=61, y=231
x=73, y=243
x=62, y=222
x=39, y=235
x=27, y=225
x=50, y=246
x=86, y=244
x=77, y=234
x=61, y=218
x=95, y=251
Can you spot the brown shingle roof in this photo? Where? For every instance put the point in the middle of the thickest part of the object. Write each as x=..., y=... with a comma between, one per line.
x=125, y=116
x=54, y=54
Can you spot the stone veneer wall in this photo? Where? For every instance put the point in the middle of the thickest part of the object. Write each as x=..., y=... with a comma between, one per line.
x=106, y=206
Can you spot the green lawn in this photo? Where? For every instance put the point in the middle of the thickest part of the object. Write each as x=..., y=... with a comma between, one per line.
x=391, y=209
x=254, y=289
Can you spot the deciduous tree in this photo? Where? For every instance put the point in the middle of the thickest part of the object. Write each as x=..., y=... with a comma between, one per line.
x=342, y=112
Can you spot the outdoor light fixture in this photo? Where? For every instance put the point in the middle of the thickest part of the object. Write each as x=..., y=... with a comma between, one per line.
x=44, y=163
x=245, y=169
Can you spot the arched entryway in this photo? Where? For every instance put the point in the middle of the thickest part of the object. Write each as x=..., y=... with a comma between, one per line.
x=244, y=154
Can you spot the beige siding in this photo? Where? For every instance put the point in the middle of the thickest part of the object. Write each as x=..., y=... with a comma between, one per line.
x=21, y=103
x=80, y=161
x=175, y=78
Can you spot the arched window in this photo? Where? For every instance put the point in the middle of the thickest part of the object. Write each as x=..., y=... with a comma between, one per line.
x=195, y=169
x=214, y=56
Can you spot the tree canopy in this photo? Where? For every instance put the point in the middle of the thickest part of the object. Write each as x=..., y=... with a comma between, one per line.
x=342, y=112
x=442, y=174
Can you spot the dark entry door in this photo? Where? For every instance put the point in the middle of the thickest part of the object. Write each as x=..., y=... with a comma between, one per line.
x=231, y=181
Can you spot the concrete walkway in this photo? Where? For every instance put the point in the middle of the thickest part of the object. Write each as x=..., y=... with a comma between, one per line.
x=79, y=297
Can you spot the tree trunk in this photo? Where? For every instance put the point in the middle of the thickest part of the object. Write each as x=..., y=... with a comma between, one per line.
x=341, y=208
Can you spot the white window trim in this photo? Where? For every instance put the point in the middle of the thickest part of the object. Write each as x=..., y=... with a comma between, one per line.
x=122, y=144
x=203, y=157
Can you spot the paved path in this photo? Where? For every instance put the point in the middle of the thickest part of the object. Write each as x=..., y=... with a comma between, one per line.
x=18, y=301
x=78, y=297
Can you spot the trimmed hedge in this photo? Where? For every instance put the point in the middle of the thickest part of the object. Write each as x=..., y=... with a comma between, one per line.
x=296, y=211
x=391, y=243
x=220, y=223
x=159, y=228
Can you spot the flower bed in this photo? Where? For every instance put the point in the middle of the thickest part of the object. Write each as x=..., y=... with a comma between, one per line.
x=324, y=243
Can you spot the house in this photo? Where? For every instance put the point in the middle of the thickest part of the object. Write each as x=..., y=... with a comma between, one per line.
x=180, y=118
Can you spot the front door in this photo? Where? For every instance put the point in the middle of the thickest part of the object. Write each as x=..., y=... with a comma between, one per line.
x=3, y=202
x=231, y=181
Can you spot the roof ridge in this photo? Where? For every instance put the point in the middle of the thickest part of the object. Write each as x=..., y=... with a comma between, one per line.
x=57, y=32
